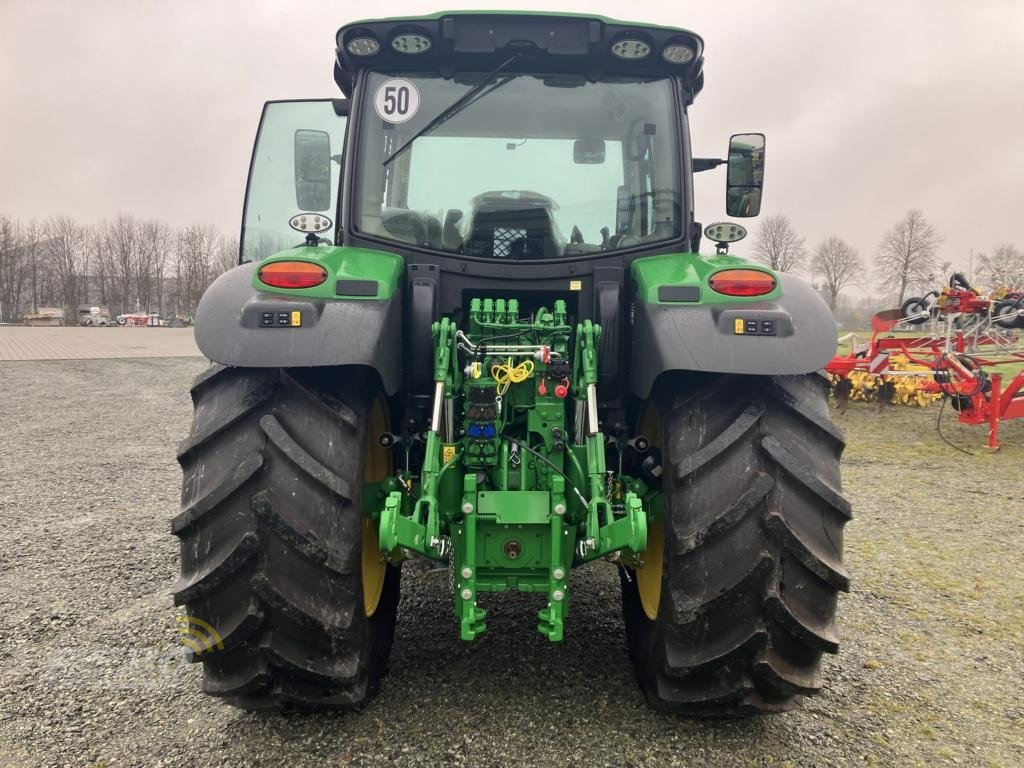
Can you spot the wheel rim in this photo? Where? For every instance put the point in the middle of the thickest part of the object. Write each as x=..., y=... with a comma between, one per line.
x=648, y=573
x=377, y=469
x=651, y=565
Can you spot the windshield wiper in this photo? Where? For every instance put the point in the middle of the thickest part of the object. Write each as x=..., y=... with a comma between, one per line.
x=460, y=104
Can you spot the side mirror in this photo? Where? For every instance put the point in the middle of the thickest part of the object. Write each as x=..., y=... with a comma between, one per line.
x=588, y=151
x=746, y=175
x=312, y=170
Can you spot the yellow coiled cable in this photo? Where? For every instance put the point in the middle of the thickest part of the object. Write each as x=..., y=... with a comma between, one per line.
x=505, y=375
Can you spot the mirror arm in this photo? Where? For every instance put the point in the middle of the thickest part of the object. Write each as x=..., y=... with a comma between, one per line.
x=706, y=163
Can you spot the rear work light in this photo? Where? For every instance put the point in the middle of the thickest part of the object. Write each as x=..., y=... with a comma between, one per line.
x=742, y=282
x=292, y=274
x=362, y=46
x=410, y=42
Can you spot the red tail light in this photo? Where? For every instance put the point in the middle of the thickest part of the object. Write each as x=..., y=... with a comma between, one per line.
x=742, y=282
x=292, y=274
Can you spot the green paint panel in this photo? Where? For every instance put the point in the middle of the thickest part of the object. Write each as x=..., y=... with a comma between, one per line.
x=341, y=263
x=692, y=269
x=516, y=507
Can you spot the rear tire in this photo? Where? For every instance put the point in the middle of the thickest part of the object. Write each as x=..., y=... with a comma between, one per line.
x=915, y=306
x=271, y=539
x=1005, y=313
x=752, y=563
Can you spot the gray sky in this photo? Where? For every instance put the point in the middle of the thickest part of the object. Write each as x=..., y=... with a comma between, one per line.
x=870, y=108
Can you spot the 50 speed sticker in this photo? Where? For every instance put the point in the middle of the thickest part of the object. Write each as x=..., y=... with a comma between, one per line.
x=396, y=100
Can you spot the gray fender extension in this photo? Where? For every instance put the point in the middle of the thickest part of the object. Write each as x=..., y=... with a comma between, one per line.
x=701, y=337
x=360, y=332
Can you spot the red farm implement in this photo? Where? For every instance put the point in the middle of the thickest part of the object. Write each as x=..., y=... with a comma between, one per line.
x=966, y=362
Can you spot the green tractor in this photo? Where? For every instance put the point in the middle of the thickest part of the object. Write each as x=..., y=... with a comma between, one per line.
x=471, y=323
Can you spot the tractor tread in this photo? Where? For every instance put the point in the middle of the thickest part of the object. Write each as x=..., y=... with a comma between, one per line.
x=780, y=389
x=252, y=674
x=709, y=593
x=679, y=661
x=735, y=432
x=270, y=531
x=218, y=566
x=811, y=632
x=820, y=563
x=279, y=518
x=225, y=419
x=754, y=517
x=727, y=687
x=285, y=443
x=802, y=474
x=688, y=540
x=306, y=612
x=249, y=466
x=784, y=676
x=206, y=376
x=330, y=670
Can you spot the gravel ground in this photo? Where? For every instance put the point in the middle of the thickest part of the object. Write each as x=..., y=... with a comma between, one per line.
x=930, y=671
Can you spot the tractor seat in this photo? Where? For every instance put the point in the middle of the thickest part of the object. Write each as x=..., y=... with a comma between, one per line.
x=513, y=225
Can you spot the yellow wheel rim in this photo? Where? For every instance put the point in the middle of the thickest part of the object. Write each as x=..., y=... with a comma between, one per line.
x=648, y=574
x=649, y=571
x=377, y=469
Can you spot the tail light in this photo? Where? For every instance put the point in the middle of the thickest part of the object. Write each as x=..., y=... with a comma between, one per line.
x=742, y=282
x=292, y=274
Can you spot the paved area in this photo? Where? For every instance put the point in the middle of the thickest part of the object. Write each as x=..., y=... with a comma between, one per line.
x=21, y=343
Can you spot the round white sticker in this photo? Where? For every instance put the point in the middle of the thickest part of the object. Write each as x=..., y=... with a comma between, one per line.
x=396, y=100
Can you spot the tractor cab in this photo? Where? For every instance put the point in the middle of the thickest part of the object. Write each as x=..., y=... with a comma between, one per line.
x=494, y=137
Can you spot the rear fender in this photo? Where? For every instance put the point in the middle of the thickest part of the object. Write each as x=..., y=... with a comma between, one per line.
x=326, y=332
x=669, y=336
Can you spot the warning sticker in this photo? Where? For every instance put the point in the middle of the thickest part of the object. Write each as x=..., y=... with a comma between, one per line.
x=397, y=100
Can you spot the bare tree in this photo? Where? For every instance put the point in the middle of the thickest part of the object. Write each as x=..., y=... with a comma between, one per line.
x=1003, y=269
x=65, y=240
x=98, y=276
x=154, y=245
x=84, y=266
x=121, y=241
x=839, y=266
x=225, y=254
x=192, y=269
x=906, y=256
x=779, y=246
x=31, y=248
x=19, y=266
x=123, y=264
x=13, y=269
x=259, y=246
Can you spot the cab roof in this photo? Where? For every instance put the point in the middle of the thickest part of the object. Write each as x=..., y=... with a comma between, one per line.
x=477, y=41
